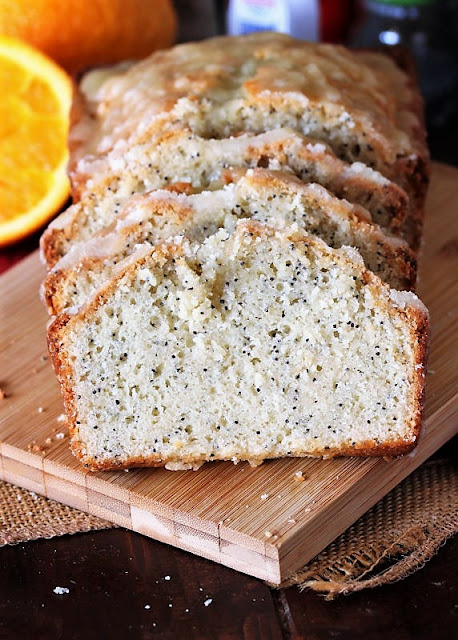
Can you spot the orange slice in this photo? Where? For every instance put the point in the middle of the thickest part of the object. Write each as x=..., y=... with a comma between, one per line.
x=35, y=97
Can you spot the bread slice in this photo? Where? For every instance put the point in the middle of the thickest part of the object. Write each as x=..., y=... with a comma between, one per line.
x=182, y=160
x=250, y=346
x=268, y=196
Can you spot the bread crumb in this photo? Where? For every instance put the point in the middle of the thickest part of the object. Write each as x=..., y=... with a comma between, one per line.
x=268, y=534
x=292, y=521
x=34, y=447
x=48, y=440
x=61, y=590
x=60, y=435
x=207, y=602
x=167, y=578
x=147, y=606
x=61, y=417
x=2, y=394
x=264, y=496
x=40, y=409
x=299, y=476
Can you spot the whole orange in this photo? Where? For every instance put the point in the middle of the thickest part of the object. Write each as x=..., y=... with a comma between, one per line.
x=84, y=33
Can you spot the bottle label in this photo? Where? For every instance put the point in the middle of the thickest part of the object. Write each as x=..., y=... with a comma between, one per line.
x=299, y=18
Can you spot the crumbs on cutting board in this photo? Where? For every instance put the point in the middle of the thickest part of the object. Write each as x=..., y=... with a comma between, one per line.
x=34, y=447
x=270, y=536
x=57, y=434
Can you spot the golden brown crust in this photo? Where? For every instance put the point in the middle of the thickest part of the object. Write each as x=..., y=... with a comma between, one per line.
x=80, y=125
x=51, y=246
x=51, y=292
x=368, y=449
x=421, y=331
x=411, y=171
x=64, y=374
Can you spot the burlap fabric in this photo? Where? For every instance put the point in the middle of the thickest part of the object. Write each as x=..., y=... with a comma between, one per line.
x=396, y=537
x=24, y=515
x=392, y=540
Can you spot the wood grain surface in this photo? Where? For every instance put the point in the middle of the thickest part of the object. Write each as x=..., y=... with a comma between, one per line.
x=123, y=585
x=261, y=521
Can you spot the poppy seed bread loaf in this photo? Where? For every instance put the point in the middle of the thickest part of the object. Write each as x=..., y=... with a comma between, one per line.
x=233, y=280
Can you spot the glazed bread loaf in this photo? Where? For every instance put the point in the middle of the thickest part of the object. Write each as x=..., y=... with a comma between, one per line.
x=263, y=195
x=249, y=346
x=233, y=280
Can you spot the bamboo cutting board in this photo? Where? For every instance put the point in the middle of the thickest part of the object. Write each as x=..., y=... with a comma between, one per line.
x=264, y=521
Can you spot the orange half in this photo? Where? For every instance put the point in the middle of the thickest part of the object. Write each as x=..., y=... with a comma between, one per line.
x=35, y=98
